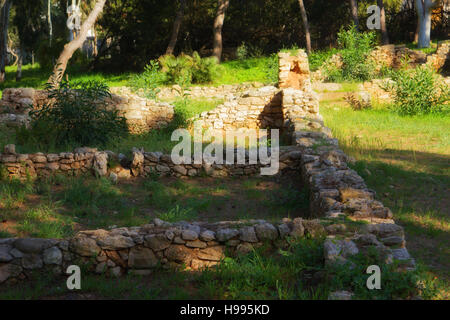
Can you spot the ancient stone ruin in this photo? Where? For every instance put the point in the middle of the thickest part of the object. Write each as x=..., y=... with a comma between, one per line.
x=336, y=192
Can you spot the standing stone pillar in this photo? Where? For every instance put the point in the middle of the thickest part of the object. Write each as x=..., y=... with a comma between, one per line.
x=294, y=71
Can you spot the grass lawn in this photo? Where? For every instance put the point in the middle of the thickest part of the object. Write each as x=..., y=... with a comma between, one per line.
x=231, y=72
x=35, y=77
x=406, y=160
x=60, y=206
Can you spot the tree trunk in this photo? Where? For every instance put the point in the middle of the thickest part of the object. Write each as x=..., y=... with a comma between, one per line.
x=218, y=24
x=19, y=65
x=176, y=28
x=384, y=32
x=354, y=9
x=5, y=5
x=49, y=18
x=72, y=46
x=305, y=25
x=424, y=11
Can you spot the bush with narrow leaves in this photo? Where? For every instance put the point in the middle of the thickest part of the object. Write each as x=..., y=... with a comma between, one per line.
x=77, y=114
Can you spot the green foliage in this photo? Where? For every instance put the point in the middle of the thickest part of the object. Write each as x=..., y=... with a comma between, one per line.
x=318, y=58
x=184, y=69
x=149, y=80
x=78, y=115
x=204, y=70
x=246, y=51
x=177, y=69
x=418, y=91
x=354, y=48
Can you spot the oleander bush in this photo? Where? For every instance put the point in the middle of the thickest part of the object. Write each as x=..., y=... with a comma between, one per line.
x=418, y=91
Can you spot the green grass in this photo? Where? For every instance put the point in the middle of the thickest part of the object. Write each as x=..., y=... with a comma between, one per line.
x=405, y=160
x=249, y=70
x=35, y=77
x=59, y=206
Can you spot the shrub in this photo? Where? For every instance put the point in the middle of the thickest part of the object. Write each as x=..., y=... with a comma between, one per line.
x=418, y=91
x=78, y=115
x=272, y=69
x=177, y=69
x=318, y=58
x=184, y=70
x=354, y=49
x=204, y=70
x=149, y=80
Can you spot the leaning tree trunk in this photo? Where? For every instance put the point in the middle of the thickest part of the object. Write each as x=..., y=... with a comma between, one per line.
x=305, y=25
x=218, y=24
x=72, y=46
x=176, y=28
x=5, y=5
x=354, y=9
x=424, y=10
x=384, y=32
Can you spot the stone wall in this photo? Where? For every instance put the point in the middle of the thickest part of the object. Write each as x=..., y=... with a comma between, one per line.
x=393, y=56
x=141, y=114
x=117, y=166
x=226, y=91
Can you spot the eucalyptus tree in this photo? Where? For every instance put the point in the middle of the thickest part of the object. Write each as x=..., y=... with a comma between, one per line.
x=424, y=11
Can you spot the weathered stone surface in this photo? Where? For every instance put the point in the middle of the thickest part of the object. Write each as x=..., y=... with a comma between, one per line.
x=115, y=242
x=34, y=245
x=52, y=256
x=314, y=228
x=337, y=251
x=157, y=242
x=32, y=261
x=212, y=253
x=5, y=255
x=180, y=254
x=9, y=270
x=266, y=231
x=244, y=248
x=297, y=229
x=196, y=244
x=208, y=235
x=226, y=234
x=100, y=163
x=340, y=295
x=384, y=230
x=248, y=234
x=84, y=246
x=189, y=235
x=141, y=258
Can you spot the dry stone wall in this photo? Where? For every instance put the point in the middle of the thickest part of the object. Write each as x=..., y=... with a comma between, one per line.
x=141, y=114
x=226, y=91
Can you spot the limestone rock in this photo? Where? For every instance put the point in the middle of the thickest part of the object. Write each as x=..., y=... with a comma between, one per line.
x=141, y=258
x=84, y=246
x=157, y=242
x=266, y=231
x=226, y=234
x=52, y=256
